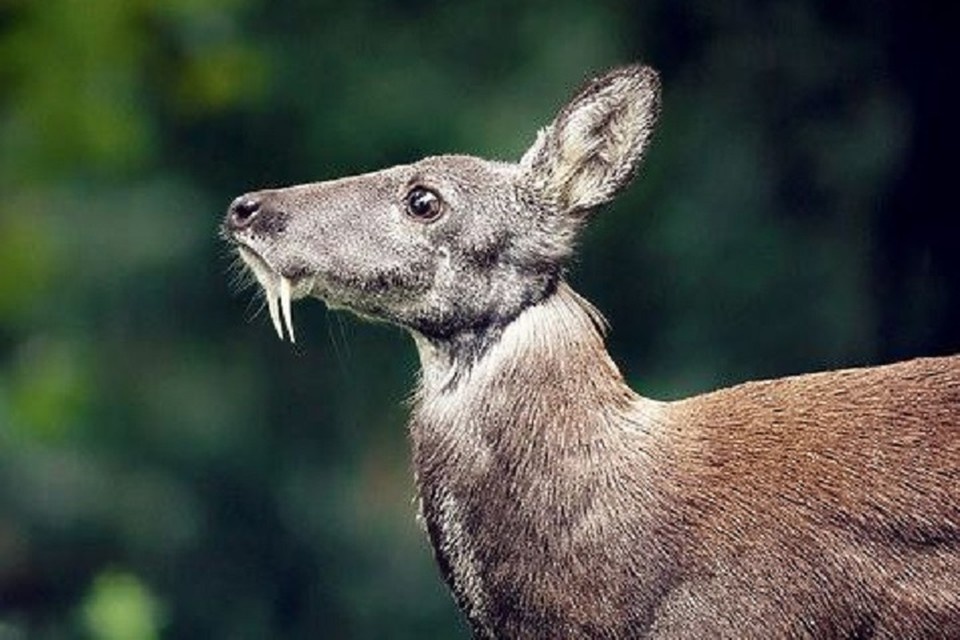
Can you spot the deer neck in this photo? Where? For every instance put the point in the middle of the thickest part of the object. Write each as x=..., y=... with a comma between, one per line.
x=513, y=445
x=538, y=388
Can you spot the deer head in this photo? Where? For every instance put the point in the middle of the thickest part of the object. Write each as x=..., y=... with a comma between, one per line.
x=453, y=245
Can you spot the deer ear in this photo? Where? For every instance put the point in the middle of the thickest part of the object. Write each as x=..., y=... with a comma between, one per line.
x=592, y=148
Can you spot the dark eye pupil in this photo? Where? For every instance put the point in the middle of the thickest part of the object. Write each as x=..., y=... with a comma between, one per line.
x=423, y=203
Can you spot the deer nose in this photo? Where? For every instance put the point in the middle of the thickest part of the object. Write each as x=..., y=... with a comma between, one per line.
x=243, y=211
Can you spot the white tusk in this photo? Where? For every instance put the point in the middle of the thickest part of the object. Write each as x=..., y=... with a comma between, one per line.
x=274, y=311
x=285, y=302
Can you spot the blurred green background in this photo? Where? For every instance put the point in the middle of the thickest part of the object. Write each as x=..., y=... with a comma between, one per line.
x=168, y=469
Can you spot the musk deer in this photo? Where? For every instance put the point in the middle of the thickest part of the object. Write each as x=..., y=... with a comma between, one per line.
x=561, y=504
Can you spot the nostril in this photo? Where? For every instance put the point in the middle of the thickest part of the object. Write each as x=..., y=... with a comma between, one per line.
x=243, y=210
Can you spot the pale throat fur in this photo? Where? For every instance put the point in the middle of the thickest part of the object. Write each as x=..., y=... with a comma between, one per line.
x=533, y=421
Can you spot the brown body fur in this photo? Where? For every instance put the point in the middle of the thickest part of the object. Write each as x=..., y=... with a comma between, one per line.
x=562, y=505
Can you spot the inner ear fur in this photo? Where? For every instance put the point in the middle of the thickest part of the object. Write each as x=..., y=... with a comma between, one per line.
x=595, y=144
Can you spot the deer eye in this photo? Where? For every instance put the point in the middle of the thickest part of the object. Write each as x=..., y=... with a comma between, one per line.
x=423, y=204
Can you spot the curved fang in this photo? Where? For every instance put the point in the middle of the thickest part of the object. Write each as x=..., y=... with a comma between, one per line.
x=285, y=295
x=274, y=306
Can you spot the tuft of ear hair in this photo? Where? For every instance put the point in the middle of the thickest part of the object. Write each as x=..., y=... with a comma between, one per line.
x=594, y=145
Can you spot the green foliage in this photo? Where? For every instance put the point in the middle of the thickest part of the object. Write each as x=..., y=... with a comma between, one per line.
x=791, y=217
x=120, y=607
x=75, y=70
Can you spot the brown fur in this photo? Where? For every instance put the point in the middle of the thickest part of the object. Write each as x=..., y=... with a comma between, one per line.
x=817, y=506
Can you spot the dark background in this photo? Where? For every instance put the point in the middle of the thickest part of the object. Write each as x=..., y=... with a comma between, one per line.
x=168, y=469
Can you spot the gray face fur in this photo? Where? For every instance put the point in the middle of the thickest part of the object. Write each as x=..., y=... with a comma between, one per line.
x=494, y=237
